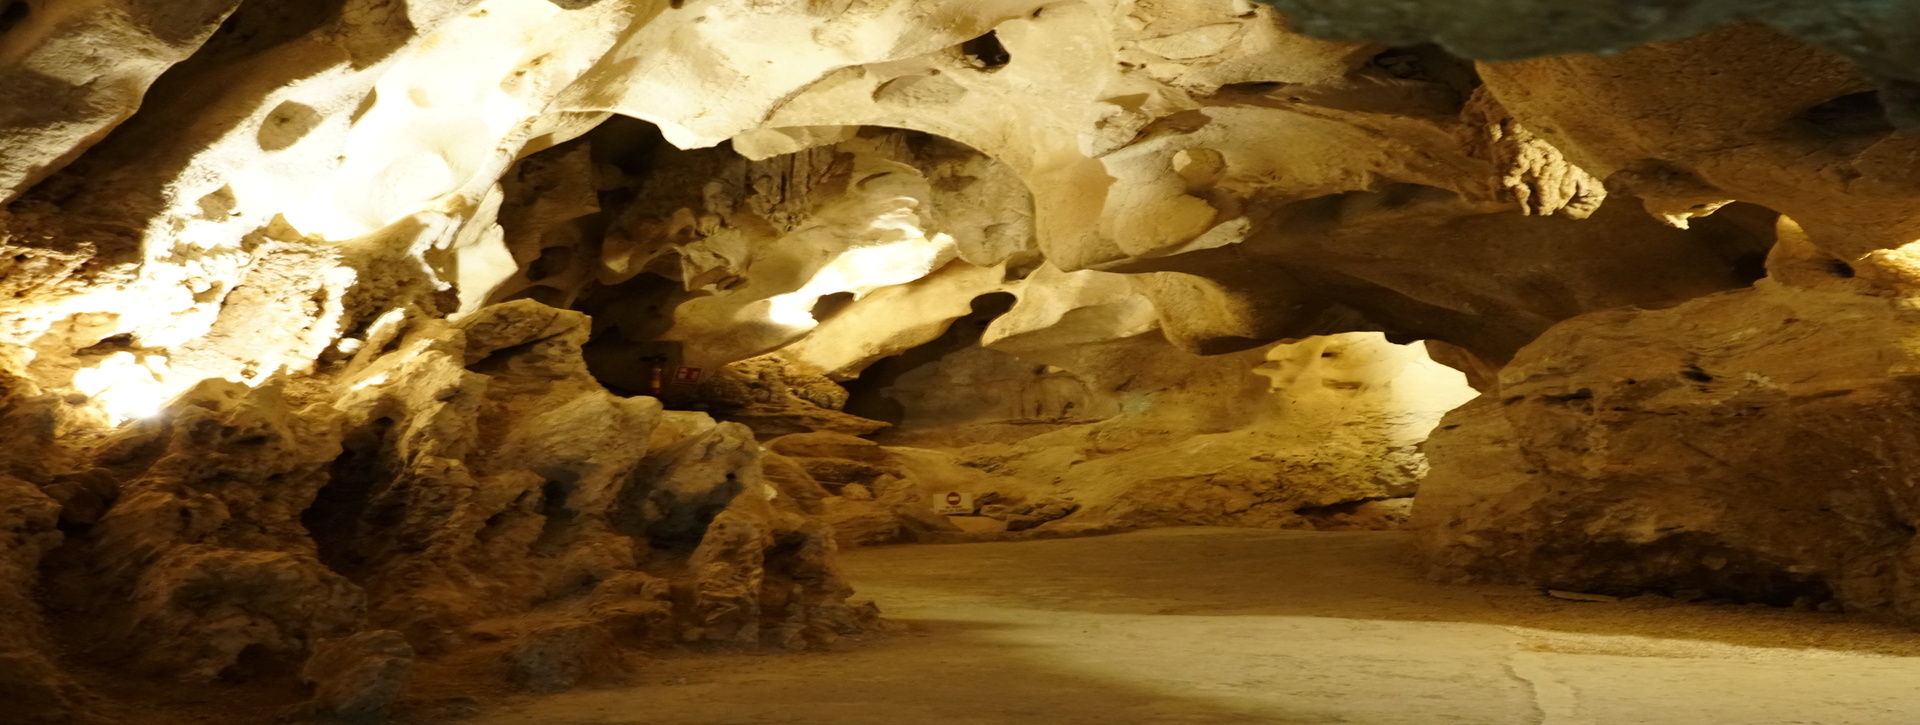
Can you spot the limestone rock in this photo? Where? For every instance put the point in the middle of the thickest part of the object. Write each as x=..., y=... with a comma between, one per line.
x=379, y=337
x=61, y=99
x=29, y=677
x=1333, y=421
x=1682, y=167
x=827, y=444
x=1878, y=36
x=766, y=394
x=554, y=659
x=472, y=473
x=870, y=498
x=358, y=677
x=30, y=673
x=1730, y=445
x=204, y=555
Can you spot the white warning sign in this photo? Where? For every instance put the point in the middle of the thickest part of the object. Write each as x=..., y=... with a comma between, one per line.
x=953, y=502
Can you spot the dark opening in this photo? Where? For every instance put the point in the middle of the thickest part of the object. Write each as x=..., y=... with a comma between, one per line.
x=1429, y=63
x=830, y=305
x=1856, y=114
x=14, y=14
x=499, y=363
x=552, y=261
x=549, y=296
x=255, y=663
x=1254, y=87
x=1694, y=373
x=671, y=521
x=554, y=533
x=336, y=518
x=1746, y=578
x=626, y=353
x=111, y=344
x=986, y=53
x=287, y=125
x=1399, y=337
x=1396, y=196
x=1741, y=235
x=1577, y=395
x=1023, y=265
x=1838, y=268
x=865, y=394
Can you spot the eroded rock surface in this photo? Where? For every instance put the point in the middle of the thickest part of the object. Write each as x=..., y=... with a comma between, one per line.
x=1746, y=445
x=463, y=488
x=1261, y=438
x=348, y=345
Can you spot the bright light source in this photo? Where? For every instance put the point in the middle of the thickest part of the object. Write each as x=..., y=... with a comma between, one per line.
x=127, y=387
x=379, y=379
x=862, y=270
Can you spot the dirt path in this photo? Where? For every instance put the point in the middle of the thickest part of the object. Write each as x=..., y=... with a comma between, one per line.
x=1237, y=626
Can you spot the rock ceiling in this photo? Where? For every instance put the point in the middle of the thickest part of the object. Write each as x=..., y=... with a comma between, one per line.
x=325, y=324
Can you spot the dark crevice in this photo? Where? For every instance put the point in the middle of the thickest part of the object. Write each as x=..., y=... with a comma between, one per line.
x=552, y=261
x=829, y=305
x=625, y=353
x=14, y=14
x=986, y=53
x=866, y=394
x=1849, y=124
x=1227, y=344
x=1258, y=88
x=1669, y=566
x=1742, y=235
x=1577, y=395
x=336, y=518
x=1855, y=114
x=543, y=294
x=255, y=663
x=559, y=517
x=500, y=362
x=1429, y=63
x=1749, y=268
x=1342, y=508
x=110, y=345
x=671, y=521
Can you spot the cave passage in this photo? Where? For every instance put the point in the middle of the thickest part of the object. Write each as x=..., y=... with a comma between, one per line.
x=1241, y=626
x=900, y=361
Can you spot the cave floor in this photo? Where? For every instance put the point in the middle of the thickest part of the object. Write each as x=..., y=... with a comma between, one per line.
x=1243, y=626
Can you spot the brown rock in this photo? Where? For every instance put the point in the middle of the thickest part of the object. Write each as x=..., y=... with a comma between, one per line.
x=555, y=658
x=359, y=677
x=828, y=444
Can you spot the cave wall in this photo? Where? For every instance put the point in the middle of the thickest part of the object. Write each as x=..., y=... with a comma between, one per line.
x=1744, y=445
x=296, y=372
x=1291, y=435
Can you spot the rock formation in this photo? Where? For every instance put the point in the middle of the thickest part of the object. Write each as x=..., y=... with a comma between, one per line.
x=346, y=346
x=1741, y=445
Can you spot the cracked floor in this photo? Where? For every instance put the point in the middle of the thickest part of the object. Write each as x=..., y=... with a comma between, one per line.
x=1247, y=626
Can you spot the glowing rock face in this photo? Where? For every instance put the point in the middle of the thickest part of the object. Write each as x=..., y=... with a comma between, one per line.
x=340, y=254
x=1122, y=138
x=862, y=270
x=126, y=386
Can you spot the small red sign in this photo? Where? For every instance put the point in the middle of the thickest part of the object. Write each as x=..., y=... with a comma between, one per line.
x=953, y=499
x=688, y=376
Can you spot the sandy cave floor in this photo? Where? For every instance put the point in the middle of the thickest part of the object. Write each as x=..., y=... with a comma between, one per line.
x=1245, y=626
